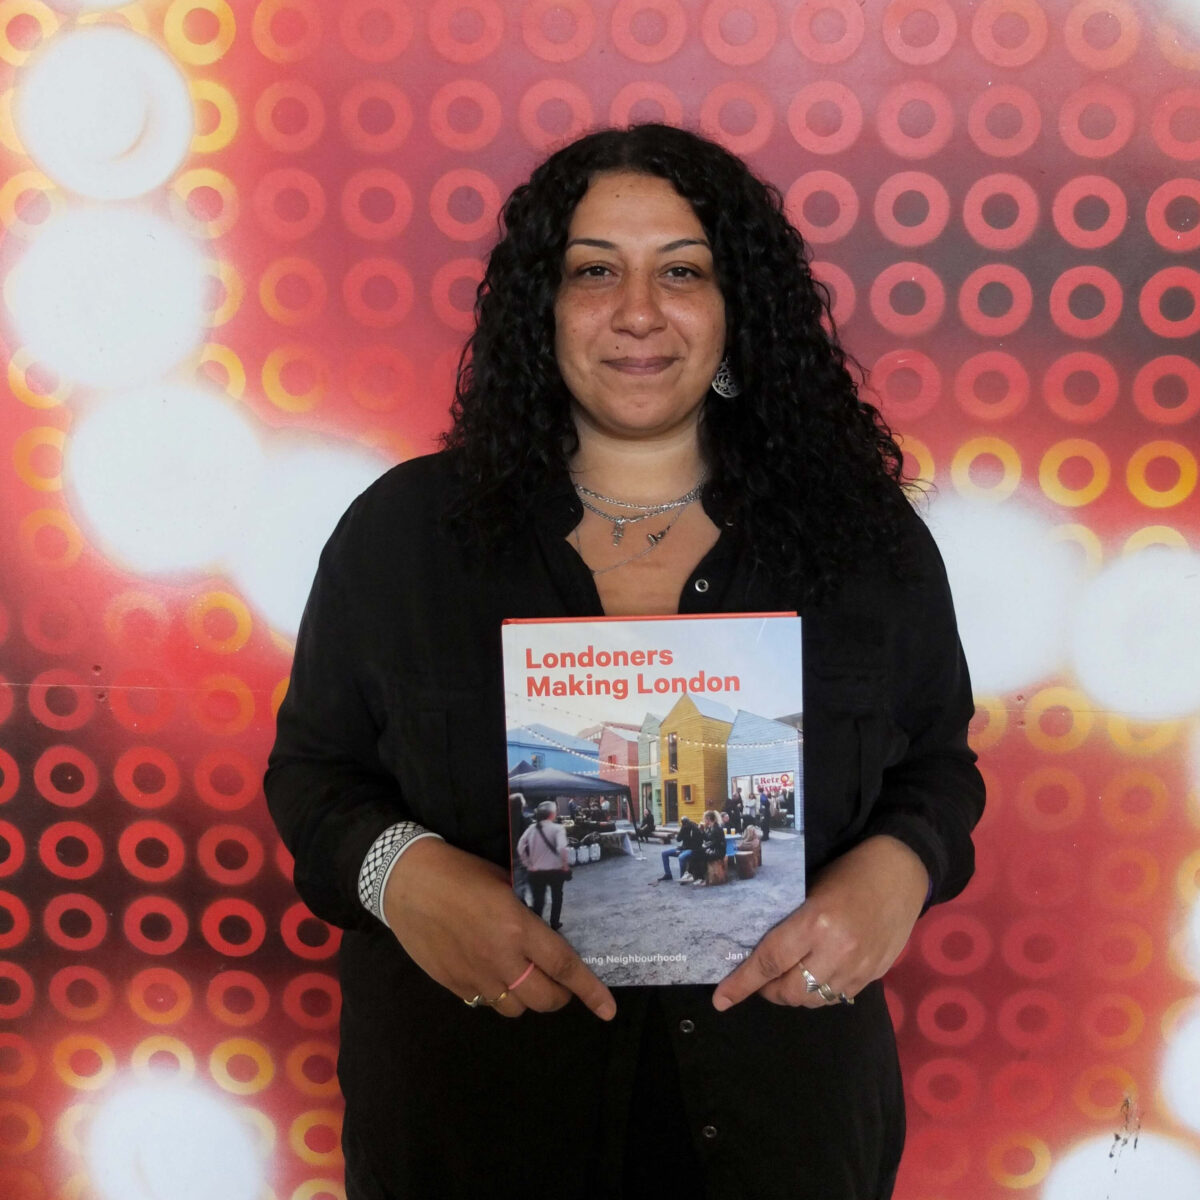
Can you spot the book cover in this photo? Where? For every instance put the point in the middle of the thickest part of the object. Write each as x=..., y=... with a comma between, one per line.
x=638, y=748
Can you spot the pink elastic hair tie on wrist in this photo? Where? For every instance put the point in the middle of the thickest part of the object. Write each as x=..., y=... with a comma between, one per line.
x=525, y=974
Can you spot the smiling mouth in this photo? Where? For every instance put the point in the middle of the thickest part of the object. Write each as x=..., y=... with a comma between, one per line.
x=639, y=366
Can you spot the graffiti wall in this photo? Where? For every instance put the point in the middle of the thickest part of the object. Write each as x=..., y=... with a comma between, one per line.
x=239, y=244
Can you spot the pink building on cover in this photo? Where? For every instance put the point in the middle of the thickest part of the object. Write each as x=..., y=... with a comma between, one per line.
x=619, y=763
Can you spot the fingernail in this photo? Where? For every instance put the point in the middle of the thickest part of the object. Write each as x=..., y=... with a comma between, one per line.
x=607, y=1010
x=721, y=1003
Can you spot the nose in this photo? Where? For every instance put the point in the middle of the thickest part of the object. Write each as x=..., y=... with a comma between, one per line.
x=637, y=310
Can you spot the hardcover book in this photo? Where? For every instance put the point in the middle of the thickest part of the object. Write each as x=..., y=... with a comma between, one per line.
x=660, y=760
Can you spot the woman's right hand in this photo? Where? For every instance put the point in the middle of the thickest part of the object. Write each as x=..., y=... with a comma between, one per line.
x=459, y=920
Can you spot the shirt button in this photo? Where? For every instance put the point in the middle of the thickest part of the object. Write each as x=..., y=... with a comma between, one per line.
x=709, y=1133
x=701, y=585
x=686, y=1026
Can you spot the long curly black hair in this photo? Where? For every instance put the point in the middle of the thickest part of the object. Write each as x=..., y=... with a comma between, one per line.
x=804, y=468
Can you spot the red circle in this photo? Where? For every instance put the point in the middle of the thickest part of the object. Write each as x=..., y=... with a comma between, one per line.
x=754, y=138
x=1004, y=145
x=157, y=1011
x=360, y=276
x=289, y=928
x=1104, y=96
x=907, y=324
x=144, y=831
x=449, y=46
x=212, y=791
x=674, y=32
x=19, y=915
x=444, y=279
x=216, y=997
x=929, y=1088
x=542, y=93
x=933, y=1022
x=1069, y=196
x=474, y=91
x=755, y=48
x=887, y=119
x=1177, y=240
x=1055, y=382
x=1085, y=327
x=10, y=776
x=812, y=184
x=376, y=179
x=1160, y=124
x=670, y=107
x=380, y=92
x=155, y=906
x=139, y=685
x=929, y=384
x=1026, y=1034
x=291, y=92
x=218, y=911
x=1045, y=877
x=15, y=1076
x=293, y=1000
x=211, y=840
x=351, y=22
x=898, y=11
x=837, y=50
x=67, y=902
x=77, y=763
x=942, y=939
x=270, y=46
x=57, y=833
x=1022, y=1089
x=25, y=991
x=1101, y=58
x=1157, y=368
x=126, y=777
x=1035, y=948
x=59, y=992
x=547, y=48
x=65, y=619
x=1000, y=363
x=60, y=682
x=1011, y=236
x=275, y=184
x=850, y=113
x=15, y=840
x=937, y=202
x=475, y=181
x=1150, y=302
x=1007, y=276
x=840, y=287
x=985, y=40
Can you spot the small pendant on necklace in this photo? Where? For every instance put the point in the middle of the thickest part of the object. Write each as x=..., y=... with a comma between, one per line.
x=618, y=531
x=655, y=538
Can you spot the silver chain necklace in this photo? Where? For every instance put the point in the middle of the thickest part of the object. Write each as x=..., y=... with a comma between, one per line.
x=641, y=512
x=652, y=538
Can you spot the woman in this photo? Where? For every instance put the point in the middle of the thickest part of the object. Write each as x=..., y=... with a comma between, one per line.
x=713, y=847
x=650, y=418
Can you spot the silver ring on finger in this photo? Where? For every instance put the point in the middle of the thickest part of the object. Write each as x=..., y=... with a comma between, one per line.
x=477, y=1001
x=828, y=994
x=811, y=983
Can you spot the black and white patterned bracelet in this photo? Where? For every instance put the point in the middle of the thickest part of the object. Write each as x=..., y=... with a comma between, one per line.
x=383, y=855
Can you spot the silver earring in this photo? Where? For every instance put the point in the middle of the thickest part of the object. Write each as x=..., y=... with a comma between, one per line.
x=724, y=384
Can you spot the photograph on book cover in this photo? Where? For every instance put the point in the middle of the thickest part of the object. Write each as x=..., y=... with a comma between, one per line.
x=656, y=786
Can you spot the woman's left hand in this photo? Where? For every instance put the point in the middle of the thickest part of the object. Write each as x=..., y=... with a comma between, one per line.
x=851, y=928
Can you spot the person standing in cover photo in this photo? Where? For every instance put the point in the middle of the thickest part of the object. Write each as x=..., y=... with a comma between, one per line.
x=543, y=851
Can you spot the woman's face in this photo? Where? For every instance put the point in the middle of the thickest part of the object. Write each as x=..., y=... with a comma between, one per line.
x=639, y=319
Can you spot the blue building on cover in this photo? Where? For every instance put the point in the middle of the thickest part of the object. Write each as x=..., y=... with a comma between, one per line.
x=766, y=753
x=542, y=746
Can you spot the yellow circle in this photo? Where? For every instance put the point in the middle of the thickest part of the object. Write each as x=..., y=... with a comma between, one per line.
x=997, y=722
x=1143, y=456
x=160, y=1043
x=277, y=694
x=223, y=1052
x=226, y=602
x=221, y=98
x=226, y=273
x=1083, y=537
x=14, y=187
x=199, y=54
x=1134, y=1014
x=134, y=18
x=1127, y=1089
x=1052, y=461
x=1174, y=1015
x=294, y=1068
x=261, y=1126
x=1024, y=1179
x=199, y=177
x=964, y=458
x=318, y=1187
x=32, y=1122
x=19, y=385
x=50, y=518
x=10, y=10
x=66, y=1128
x=283, y=268
x=24, y=449
x=1187, y=878
x=1058, y=697
x=920, y=453
x=1113, y=792
x=272, y=377
x=84, y=1041
x=235, y=373
x=1155, y=535
x=309, y=1120
x=1141, y=738
x=1172, y=48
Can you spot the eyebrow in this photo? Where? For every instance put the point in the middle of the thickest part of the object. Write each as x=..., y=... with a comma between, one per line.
x=601, y=244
